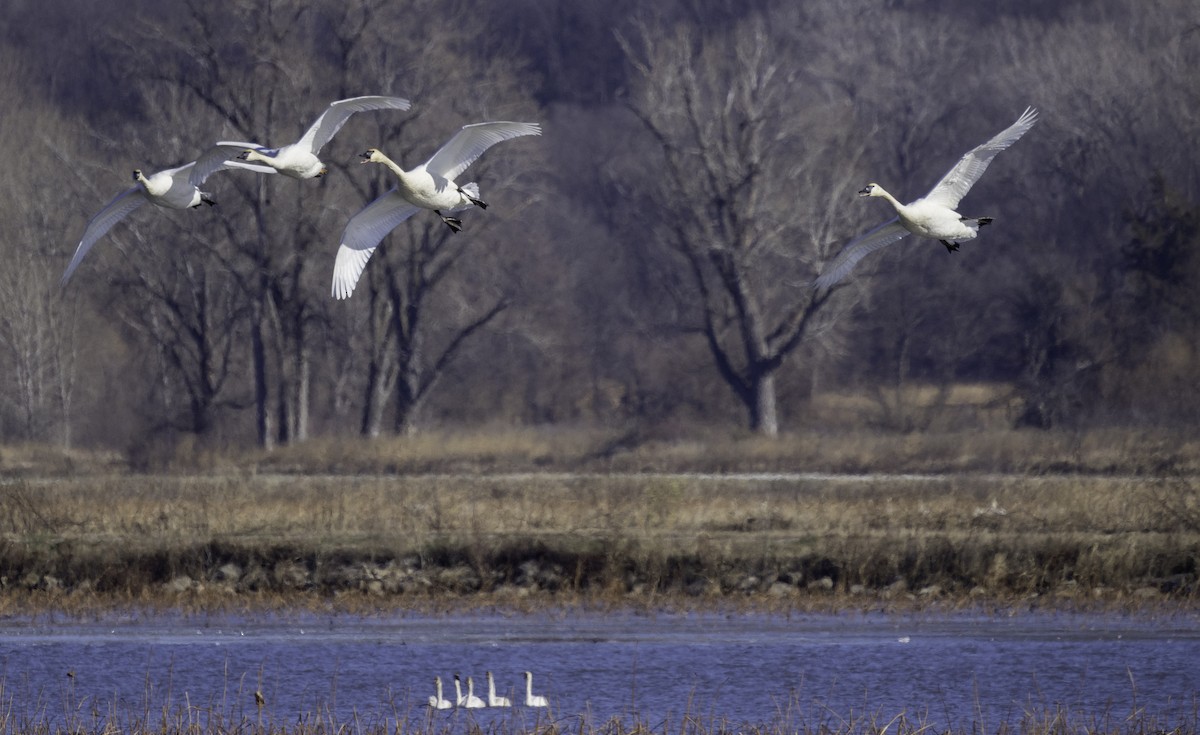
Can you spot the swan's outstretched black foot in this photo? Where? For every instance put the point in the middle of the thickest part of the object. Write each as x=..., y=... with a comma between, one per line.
x=477, y=202
x=985, y=221
x=204, y=199
x=950, y=246
x=453, y=223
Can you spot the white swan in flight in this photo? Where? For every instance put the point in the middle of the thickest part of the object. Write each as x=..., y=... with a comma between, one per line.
x=174, y=188
x=298, y=160
x=493, y=700
x=933, y=215
x=428, y=186
x=473, y=702
x=531, y=699
x=438, y=701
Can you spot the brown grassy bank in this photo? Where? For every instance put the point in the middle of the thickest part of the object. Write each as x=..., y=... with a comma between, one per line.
x=259, y=530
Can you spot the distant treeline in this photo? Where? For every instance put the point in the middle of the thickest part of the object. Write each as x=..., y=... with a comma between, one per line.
x=642, y=264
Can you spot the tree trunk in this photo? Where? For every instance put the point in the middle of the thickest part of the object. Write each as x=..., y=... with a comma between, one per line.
x=408, y=398
x=303, y=383
x=764, y=419
x=262, y=409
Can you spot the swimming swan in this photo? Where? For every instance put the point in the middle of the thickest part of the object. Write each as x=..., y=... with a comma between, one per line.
x=932, y=215
x=473, y=702
x=428, y=186
x=459, y=699
x=298, y=160
x=531, y=699
x=493, y=700
x=174, y=188
x=438, y=701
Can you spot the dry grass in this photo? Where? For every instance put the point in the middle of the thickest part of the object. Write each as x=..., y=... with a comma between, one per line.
x=603, y=538
x=639, y=449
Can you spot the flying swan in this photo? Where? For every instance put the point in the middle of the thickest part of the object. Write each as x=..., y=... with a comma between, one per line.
x=531, y=699
x=438, y=701
x=174, y=188
x=933, y=215
x=428, y=186
x=493, y=700
x=298, y=160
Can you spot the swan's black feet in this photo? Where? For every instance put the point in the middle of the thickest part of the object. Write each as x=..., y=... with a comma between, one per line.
x=985, y=221
x=477, y=202
x=950, y=246
x=453, y=223
x=205, y=200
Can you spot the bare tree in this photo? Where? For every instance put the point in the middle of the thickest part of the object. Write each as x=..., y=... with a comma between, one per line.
x=38, y=326
x=413, y=303
x=742, y=138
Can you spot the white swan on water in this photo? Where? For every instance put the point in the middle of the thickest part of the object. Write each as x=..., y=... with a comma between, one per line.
x=459, y=699
x=428, y=186
x=174, y=188
x=473, y=702
x=493, y=700
x=438, y=701
x=933, y=215
x=531, y=699
x=298, y=160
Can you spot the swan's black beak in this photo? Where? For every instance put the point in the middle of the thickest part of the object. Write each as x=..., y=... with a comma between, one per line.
x=865, y=191
x=136, y=173
x=244, y=155
x=366, y=157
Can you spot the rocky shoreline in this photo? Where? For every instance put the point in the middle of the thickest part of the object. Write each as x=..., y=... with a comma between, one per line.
x=290, y=576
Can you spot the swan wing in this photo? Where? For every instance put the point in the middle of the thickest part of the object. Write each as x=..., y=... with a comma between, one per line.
x=339, y=112
x=102, y=222
x=955, y=184
x=363, y=232
x=469, y=144
x=224, y=155
x=880, y=237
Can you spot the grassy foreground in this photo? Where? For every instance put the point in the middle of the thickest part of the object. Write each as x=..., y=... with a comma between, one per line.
x=199, y=721
x=531, y=519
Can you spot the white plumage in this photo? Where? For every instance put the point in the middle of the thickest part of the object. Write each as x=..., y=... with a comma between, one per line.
x=174, y=188
x=933, y=215
x=493, y=700
x=298, y=160
x=437, y=701
x=531, y=699
x=428, y=186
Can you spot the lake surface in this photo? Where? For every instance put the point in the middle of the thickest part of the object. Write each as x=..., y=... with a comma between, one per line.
x=951, y=670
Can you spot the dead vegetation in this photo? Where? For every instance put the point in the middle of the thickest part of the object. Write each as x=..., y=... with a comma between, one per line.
x=500, y=520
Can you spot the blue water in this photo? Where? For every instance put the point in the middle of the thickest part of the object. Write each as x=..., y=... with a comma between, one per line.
x=953, y=671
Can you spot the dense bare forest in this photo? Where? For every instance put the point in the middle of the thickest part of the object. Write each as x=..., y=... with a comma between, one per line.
x=643, y=263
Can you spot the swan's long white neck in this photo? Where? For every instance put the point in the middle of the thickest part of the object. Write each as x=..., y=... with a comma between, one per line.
x=392, y=165
x=879, y=191
x=491, y=686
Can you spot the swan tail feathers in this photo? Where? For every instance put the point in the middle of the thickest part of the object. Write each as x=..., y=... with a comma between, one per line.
x=471, y=192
